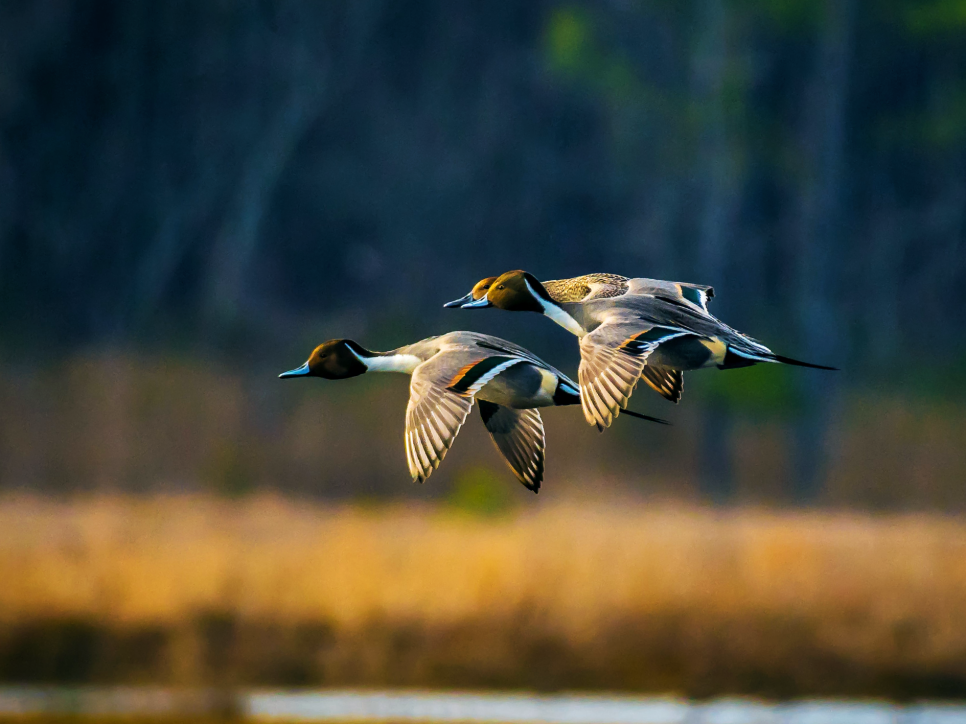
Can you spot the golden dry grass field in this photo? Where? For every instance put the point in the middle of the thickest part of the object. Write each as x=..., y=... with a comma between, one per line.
x=574, y=595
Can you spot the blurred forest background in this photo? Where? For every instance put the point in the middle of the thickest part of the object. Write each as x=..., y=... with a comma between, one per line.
x=193, y=194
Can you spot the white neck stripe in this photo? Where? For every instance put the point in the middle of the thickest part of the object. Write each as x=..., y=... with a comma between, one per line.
x=405, y=363
x=557, y=314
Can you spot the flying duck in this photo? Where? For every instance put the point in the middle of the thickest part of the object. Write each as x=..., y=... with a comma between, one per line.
x=628, y=329
x=449, y=373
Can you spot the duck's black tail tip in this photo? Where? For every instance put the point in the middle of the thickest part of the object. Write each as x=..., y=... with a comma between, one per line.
x=799, y=363
x=645, y=417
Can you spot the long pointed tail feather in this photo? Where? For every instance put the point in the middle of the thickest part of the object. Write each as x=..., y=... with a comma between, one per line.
x=738, y=357
x=799, y=363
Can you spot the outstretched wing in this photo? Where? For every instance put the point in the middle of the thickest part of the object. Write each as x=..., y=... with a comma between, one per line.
x=434, y=415
x=439, y=402
x=518, y=435
x=612, y=359
x=665, y=381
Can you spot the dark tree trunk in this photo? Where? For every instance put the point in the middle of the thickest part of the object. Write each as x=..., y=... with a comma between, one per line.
x=820, y=235
x=719, y=192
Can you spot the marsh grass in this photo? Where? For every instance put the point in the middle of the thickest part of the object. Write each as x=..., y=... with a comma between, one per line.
x=622, y=596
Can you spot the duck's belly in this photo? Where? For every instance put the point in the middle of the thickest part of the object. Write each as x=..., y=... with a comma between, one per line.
x=521, y=386
x=689, y=353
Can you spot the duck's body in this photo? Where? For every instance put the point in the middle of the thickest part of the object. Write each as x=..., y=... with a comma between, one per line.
x=696, y=338
x=592, y=287
x=484, y=367
x=628, y=329
x=449, y=373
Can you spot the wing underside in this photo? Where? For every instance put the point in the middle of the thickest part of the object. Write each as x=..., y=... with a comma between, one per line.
x=612, y=359
x=519, y=436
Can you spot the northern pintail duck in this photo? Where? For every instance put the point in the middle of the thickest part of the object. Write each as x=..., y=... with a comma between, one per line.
x=449, y=373
x=628, y=329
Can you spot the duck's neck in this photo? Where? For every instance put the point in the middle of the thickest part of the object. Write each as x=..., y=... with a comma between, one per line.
x=561, y=317
x=389, y=361
x=550, y=309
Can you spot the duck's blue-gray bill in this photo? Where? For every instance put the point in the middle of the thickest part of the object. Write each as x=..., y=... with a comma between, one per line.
x=459, y=302
x=478, y=304
x=298, y=372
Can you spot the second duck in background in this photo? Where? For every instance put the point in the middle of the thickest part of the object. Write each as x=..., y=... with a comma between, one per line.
x=628, y=329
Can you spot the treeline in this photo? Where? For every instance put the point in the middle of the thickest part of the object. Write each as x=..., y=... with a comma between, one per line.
x=165, y=161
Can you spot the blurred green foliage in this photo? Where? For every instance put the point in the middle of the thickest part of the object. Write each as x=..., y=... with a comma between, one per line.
x=568, y=39
x=762, y=390
x=939, y=385
x=230, y=469
x=936, y=17
x=765, y=390
x=479, y=491
x=795, y=16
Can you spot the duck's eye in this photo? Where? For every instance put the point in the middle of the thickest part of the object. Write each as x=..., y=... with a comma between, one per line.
x=501, y=287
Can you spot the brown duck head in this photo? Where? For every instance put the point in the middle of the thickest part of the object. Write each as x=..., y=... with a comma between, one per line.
x=515, y=291
x=337, y=359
